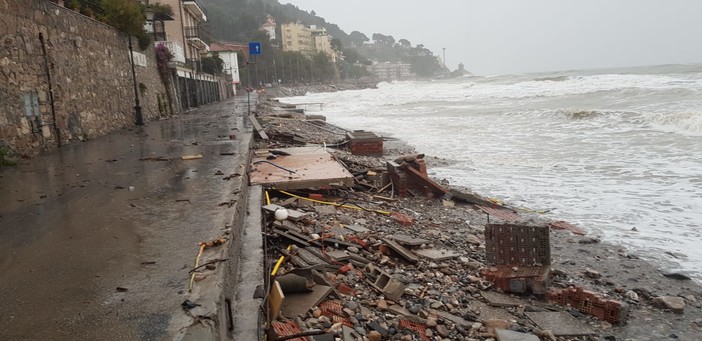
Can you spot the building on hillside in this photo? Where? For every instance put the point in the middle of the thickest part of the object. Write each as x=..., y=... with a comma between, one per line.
x=269, y=27
x=391, y=71
x=183, y=39
x=323, y=42
x=229, y=53
x=307, y=39
x=296, y=37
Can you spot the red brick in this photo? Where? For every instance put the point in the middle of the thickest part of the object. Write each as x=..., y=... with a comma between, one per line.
x=346, y=290
x=358, y=241
x=344, y=269
x=315, y=196
x=588, y=302
x=402, y=219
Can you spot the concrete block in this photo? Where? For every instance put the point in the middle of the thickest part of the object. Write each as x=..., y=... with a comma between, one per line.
x=383, y=282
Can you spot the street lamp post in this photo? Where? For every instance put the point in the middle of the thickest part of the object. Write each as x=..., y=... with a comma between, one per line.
x=248, y=88
x=137, y=104
x=275, y=72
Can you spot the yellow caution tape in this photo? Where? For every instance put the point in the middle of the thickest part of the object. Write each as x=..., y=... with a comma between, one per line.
x=333, y=203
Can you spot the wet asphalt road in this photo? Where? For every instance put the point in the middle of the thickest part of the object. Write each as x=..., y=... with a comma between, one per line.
x=72, y=231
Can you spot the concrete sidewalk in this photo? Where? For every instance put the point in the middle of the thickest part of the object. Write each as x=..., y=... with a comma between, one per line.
x=97, y=245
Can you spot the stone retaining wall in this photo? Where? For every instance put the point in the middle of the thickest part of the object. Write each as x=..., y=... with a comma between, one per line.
x=91, y=80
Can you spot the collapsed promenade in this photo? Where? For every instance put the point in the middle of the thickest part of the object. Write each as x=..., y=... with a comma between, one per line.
x=396, y=255
x=170, y=232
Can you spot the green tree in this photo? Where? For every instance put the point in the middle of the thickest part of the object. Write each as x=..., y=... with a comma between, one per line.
x=424, y=66
x=357, y=38
x=128, y=17
x=323, y=68
x=212, y=64
x=337, y=45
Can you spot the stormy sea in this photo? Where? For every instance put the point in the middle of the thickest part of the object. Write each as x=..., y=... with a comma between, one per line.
x=617, y=151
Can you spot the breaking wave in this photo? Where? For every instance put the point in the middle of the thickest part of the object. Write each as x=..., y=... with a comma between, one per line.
x=552, y=79
x=609, y=150
x=687, y=123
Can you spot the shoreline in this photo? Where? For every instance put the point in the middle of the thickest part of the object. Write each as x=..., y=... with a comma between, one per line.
x=611, y=271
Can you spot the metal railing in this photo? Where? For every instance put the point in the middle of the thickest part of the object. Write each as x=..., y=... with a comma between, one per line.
x=194, y=64
x=191, y=32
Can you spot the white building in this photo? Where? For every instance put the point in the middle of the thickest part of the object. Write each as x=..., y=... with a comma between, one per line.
x=229, y=54
x=391, y=71
x=269, y=27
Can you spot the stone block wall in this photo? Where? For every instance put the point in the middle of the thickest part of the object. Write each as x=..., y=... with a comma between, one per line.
x=89, y=66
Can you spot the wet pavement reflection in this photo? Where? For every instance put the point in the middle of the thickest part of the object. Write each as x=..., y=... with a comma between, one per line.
x=77, y=223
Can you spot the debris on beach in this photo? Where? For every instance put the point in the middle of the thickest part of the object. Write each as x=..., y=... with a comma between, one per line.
x=387, y=253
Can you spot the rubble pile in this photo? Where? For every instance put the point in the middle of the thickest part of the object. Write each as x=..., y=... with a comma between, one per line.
x=398, y=256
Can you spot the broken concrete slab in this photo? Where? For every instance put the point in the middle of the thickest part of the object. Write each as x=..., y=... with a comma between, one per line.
x=497, y=299
x=311, y=256
x=508, y=335
x=287, y=225
x=451, y=317
x=401, y=250
x=292, y=237
x=468, y=197
x=349, y=334
x=560, y=323
x=487, y=312
x=437, y=254
x=299, y=171
x=325, y=210
x=399, y=310
x=408, y=241
x=357, y=228
x=299, y=303
x=338, y=255
x=293, y=215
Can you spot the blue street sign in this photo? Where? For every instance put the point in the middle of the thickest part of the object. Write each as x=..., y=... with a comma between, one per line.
x=254, y=48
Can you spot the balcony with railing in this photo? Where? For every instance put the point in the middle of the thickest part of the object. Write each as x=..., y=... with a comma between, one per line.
x=192, y=34
x=175, y=48
x=194, y=64
x=195, y=8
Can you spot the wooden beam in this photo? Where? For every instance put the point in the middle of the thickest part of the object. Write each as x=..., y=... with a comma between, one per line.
x=258, y=127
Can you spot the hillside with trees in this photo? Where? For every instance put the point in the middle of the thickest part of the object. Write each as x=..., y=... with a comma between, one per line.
x=239, y=21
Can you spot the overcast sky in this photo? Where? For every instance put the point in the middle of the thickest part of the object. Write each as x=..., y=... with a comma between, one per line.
x=516, y=36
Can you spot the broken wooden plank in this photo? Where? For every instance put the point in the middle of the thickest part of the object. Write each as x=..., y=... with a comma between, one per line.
x=407, y=240
x=191, y=157
x=501, y=213
x=258, y=127
x=299, y=303
x=275, y=300
x=425, y=181
x=468, y=197
x=290, y=236
x=401, y=250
